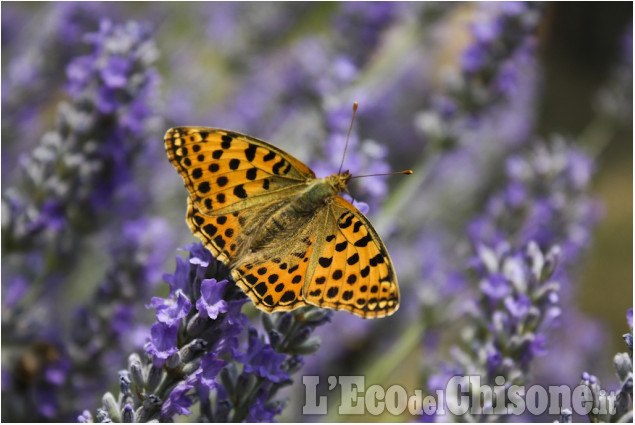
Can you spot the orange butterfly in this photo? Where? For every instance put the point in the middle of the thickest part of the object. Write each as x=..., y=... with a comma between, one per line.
x=287, y=236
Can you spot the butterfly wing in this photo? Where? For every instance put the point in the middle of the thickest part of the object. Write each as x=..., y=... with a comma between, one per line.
x=228, y=236
x=350, y=266
x=226, y=171
x=273, y=278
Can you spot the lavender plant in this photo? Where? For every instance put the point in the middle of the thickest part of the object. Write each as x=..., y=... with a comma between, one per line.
x=614, y=406
x=77, y=181
x=514, y=307
x=493, y=68
x=83, y=165
x=195, y=353
x=42, y=43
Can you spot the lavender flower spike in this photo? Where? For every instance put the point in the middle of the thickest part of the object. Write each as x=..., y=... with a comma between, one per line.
x=184, y=367
x=508, y=321
x=614, y=406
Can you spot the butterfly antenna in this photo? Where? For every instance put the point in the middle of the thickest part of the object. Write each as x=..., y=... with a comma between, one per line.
x=348, y=136
x=384, y=174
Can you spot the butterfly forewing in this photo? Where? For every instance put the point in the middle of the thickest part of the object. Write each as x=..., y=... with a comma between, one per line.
x=353, y=270
x=226, y=171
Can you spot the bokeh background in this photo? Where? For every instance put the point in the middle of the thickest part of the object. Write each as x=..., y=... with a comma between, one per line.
x=451, y=90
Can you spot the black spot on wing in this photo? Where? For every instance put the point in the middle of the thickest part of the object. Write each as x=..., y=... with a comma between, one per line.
x=261, y=288
x=325, y=262
x=363, y=241
x=226, y=141
x=250, y=152
x=287, y=297
x=210, y=229
x=377, y=259
x=341, y=246
x=204, y=187
x=239, y=191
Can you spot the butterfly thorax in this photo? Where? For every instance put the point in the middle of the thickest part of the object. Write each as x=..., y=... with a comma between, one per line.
x=294, y=214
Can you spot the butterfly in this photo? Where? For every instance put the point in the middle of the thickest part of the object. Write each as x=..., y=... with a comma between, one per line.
x=287, y=236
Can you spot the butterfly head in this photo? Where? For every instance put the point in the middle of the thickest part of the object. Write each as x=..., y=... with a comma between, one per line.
x=339, y=181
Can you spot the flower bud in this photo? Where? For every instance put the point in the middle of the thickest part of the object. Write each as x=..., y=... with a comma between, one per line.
x=102, y=416
x=124, y=382
x=274, y=338
x=267, y=322
x=197, y=324
x=190, y=351
x=127, y=414
x=111, y=406
x=136, y=371
x=623, y=366
x=155, y=375
x=310, y=346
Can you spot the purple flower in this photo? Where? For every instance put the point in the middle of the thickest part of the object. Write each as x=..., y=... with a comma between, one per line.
x=518, y=307
x=171, y=311
x=473, y=59
x=261, y=411
x=82, y=169
x=14, y=291
x=210, y=367
x=107, y=100
x=538, y=346
x=486, y=32
x=79, y=72
x=495, y=286
x=162, y=343
x=261, y=359
x=180, y=279
x=178, y=402
x=493, y=361
x=542, y=200
x=186, y=341
x=122, y=319
x=360, y=26
x=115, y=72
x=361, y=206
x=211, y=303
x=204, y=379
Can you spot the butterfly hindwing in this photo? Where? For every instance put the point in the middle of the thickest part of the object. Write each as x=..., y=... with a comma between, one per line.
x=218, y=233
x=353, y=270
x=225, y=171
x=273, y=278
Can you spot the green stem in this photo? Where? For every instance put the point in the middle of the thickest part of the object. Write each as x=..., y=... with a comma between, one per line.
x=404, y=193
x=381, y=367
x=597, y=135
